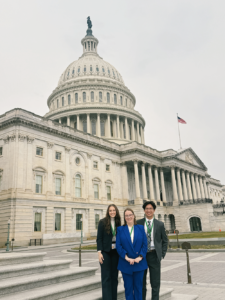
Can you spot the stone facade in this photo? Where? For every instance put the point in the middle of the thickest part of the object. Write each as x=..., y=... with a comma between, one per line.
x=59, y=173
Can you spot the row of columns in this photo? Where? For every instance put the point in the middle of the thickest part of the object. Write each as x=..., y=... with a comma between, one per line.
x=193, y=186
x=117, y=128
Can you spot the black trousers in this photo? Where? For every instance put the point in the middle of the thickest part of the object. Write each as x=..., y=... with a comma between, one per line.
x=109, y=275
x=154, y=266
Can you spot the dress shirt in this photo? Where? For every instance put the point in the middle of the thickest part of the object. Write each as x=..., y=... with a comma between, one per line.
x=113, y=226
x=146, y=231
x=132, y=234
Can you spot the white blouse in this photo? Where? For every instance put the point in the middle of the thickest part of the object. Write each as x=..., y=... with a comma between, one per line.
x=132, y=234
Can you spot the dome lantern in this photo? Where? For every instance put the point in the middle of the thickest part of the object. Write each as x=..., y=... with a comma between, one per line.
x=89, y=42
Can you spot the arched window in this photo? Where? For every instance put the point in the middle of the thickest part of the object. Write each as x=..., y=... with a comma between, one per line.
x=124, y=131
x=62, y=101
x=69, y=100
x=77, y=186
x=57, y=103
x=108, y=97
x=91, y=68
x=100, y=96
x=97, y=69
x=78, y=71
x=84, y=68
x=76, y=98
x=102, y=124
x=115, y=99
x=93, y=127
x=85, y=126
x=121, y=100
x=92, y=97
x=84, y=96
x=195, y=224
x=73, y=72
x=113, y=73
x=103, y=69
x=108, y=71
x=68, y=73
x=111, y=128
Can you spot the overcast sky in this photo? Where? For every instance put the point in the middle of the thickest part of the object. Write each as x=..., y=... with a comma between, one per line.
x=170, y=54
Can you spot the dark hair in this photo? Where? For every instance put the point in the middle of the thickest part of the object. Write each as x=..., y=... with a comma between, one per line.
x=152, y=203
x=125, y=222
x=108, y=219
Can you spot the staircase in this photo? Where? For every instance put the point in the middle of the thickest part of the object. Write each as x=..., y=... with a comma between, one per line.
x=26, y=276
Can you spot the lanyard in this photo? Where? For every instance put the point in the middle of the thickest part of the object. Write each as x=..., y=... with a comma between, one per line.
x=149, y=230
x=113, y=230
x=131, y=230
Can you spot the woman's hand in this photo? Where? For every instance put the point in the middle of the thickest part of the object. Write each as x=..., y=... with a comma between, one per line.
x=130, y=260
x=138, y=259
x=100, y=258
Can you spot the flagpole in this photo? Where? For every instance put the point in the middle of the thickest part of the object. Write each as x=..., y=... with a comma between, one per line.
x=179, y=131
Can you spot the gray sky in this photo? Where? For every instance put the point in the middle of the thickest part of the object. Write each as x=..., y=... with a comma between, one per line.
x=170, y=54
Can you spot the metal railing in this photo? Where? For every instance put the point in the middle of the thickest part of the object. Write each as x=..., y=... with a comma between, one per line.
x=35, y=242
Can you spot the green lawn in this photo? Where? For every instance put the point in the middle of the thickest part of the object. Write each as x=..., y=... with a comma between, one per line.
x=87, y=247
x=199, y=235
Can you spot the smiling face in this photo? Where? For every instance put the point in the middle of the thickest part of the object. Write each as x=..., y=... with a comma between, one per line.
x=112, y=212
x=129, y=217
x=149, y=211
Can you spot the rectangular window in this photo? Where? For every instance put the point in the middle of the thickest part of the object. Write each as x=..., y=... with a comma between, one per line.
x=1, y=151
x=108, y=188
x=95, y=165
x=121, y=100
x=58, y=155
x=96, y=193
x=77, y=186
x=96, y=221
x=76, y=98
x=38, y=184
x=57, y=222
x=79, y=222
x=58, y=186
x=39, y=151
x=37, y=222
x=107, y=168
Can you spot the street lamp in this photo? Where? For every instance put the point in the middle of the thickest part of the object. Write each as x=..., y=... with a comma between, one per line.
x=81, y=233
x=7, y=248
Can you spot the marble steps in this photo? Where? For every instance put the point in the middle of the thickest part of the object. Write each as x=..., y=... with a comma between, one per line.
x=59, y=291
x=30, y=282
x=183, y=297
x=9, y=271
x=20, y=258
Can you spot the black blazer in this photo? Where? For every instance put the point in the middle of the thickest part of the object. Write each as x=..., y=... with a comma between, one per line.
x=104, y=240
x=159, y=236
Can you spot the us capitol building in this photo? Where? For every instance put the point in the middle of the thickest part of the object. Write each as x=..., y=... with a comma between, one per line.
x=59, y=173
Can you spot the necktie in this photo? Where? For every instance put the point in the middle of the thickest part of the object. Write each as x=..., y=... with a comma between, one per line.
x=149, y=236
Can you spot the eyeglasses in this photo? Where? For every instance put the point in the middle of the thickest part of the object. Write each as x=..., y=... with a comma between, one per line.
x=128, y=216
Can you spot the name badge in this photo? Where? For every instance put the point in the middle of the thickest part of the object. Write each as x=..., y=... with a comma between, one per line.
x=113, y=246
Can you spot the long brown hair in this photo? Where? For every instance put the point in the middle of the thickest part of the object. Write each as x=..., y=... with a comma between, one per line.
x=108, y=219
x=131, y=210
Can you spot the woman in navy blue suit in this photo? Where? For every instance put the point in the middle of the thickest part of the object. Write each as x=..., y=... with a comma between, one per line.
x=131, y=245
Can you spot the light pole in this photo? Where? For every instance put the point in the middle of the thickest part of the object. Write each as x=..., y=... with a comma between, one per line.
x=7, y=248
x=81, y=233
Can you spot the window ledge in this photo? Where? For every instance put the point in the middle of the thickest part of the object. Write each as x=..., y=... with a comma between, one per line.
x=39, y=156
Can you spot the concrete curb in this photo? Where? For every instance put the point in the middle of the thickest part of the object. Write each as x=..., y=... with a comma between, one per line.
x=195, y=250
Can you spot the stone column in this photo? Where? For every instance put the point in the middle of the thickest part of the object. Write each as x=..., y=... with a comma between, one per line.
x=145, y=196
x=108, y=125
x=201, y=187
x=207, y=183
x=163, y=185
x=60, y=120
x=193, y=186
x=50, y=164
x=179, y=185
x=98, y=133
x=88, y=123
x=68, y=121
x=126, y=128
x=132, y=130
x=205, y=188
x=78, y=122
x=68, y=179
x=29, y=176
x=138, y=134
x=137, y=187
x=118, y=126
x=157, y=184
x=197, y=187
x=189, y=187
x=125, y=182
x=151, y=183
x=174, y=185
x=184, y=185
x=142, y=135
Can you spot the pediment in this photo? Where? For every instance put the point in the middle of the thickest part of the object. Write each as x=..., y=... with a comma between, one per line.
x=189, y=156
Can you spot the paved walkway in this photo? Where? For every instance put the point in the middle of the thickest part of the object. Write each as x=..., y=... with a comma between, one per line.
x=207, y=270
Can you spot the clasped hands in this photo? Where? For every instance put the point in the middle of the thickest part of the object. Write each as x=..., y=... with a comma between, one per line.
x=133, y=260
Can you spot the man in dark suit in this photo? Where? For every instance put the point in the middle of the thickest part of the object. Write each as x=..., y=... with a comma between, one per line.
x=157, y=248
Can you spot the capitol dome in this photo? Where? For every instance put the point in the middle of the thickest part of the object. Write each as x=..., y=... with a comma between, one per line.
x=91, y=96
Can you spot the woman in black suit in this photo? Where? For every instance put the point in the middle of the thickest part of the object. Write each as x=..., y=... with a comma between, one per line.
x=107, y=254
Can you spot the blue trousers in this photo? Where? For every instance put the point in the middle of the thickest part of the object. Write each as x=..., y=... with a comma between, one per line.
x=133, y=285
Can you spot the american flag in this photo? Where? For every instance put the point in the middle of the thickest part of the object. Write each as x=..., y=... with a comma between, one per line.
x=181, y=120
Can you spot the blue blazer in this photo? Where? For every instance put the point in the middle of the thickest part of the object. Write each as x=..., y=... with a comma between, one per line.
x=124, y=247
